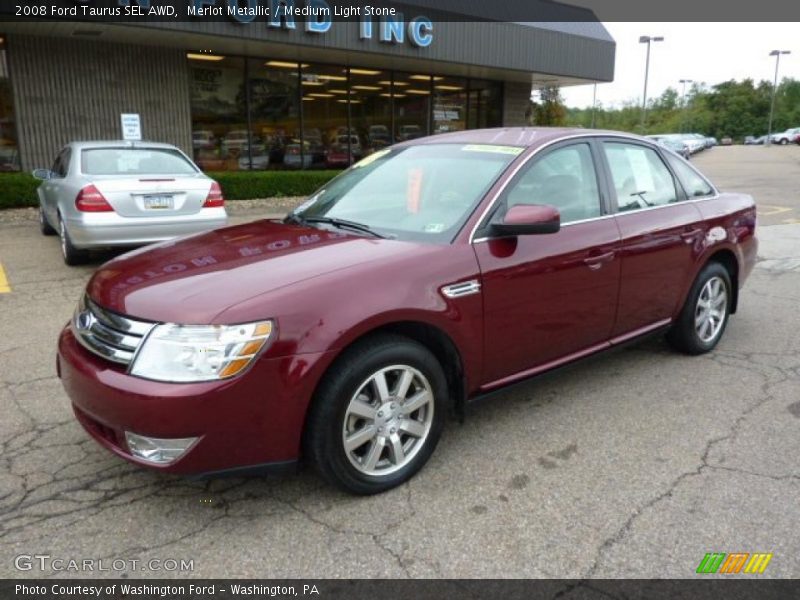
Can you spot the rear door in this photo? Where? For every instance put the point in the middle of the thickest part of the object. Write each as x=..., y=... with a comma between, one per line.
x=659, y=231
x=145, y=181
x=547, y=297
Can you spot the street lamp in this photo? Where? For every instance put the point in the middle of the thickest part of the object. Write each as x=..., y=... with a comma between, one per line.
x=683, y=83
x=646, y=39
x=777, y=55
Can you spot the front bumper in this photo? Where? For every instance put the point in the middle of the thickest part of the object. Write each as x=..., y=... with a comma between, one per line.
x=248, y=421
x=96, y=230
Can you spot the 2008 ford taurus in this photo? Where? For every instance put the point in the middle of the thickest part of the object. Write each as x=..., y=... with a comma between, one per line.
x=428, y=274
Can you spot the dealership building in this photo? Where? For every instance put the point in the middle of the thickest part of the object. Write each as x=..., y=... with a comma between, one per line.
x=276, y=93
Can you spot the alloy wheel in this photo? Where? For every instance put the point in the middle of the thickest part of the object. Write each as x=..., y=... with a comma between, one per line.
x=388, y=420
x=711, y=309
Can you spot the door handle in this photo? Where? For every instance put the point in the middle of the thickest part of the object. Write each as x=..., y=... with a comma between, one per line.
x=690, y=234
x=597, y=261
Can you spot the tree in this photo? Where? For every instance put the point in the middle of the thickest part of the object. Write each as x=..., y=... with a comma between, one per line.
x=550, y=109
x=729, y=109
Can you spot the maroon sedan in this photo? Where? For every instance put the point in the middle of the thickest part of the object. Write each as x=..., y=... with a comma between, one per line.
x=427, y=275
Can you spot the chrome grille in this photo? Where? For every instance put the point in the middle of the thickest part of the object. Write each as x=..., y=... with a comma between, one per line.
x=108, y=334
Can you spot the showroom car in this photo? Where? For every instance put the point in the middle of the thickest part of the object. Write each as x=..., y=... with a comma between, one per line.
x=117, y=194
x=429, y=274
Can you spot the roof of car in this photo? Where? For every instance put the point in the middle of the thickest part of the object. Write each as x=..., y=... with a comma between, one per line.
x=514, y=136
x=118, y=144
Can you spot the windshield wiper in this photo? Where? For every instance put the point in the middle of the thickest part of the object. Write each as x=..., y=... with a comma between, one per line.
x=340, y=223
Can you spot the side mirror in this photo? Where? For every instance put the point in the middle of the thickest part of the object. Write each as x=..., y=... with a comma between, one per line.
x=43, y=174
x=527, y=219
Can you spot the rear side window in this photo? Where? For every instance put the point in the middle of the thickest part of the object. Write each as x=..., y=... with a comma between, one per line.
x=564, y=178
x=640, y=177
x=694, y=184
x=134, y=161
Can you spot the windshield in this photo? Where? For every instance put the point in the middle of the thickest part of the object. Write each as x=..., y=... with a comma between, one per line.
x=422, y=193
x=135, y=161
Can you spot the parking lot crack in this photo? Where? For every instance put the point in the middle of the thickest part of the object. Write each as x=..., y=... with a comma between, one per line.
x=627, y=527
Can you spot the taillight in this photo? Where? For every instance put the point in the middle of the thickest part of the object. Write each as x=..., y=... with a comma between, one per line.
x=90, y=199
x=215, y=197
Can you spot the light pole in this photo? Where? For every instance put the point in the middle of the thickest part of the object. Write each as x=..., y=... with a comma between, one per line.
x=683, y=83
x=646, y=39
x=777, y=55
x=594, y=103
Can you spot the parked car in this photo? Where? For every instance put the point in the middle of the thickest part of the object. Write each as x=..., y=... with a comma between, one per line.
x=726, y=141
x=435, y=273
x=202, y=139
x=755, y=141
x=234, y=143
x=378, y=136
x=409, y=132
x=785, y=137
x=674, y=144
x=106, y=194
x=797, y=138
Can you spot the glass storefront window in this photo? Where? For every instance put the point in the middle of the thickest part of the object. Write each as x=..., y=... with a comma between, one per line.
x=371, y=109
x=261, y=113
x=274, y=111
x=412, y=97
x=485, y=104
x=327, y=141
x=9, y=151
x=449, y=104
x=219, y=112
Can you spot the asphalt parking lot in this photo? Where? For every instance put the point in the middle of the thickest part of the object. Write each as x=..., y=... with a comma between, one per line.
x=635, y=464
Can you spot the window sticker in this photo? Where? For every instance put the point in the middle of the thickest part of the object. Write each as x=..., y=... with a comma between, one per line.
x=433, y=228
x=642, y=172
x=513, y=150
x=368, y=160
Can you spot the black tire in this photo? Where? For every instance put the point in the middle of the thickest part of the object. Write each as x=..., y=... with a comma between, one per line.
x=324, y=443
x=784, y=141
x=44, y=226
x=684, y=335
x=72, y=255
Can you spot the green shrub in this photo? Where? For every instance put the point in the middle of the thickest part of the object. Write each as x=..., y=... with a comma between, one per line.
x=245, y=185
x=19, y=189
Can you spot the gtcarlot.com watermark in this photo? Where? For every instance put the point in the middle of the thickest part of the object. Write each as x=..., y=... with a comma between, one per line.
x=56, y=564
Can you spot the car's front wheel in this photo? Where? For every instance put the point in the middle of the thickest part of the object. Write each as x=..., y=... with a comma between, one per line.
x=704, y=316
x=378, y=415
x=72, y=255
x=784, y=141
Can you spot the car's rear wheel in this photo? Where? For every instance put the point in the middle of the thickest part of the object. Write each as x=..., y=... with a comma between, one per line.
x=378, y=415
x=784, y=141
x=704, y=316
x=72, y=255
x=44, y=226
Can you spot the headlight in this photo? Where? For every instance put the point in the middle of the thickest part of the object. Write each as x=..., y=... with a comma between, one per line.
x=182, y=353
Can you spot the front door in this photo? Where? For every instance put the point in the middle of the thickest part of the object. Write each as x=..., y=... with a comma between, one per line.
x=552, y=295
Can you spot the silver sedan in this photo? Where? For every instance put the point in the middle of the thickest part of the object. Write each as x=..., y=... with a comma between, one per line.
x=106, y=194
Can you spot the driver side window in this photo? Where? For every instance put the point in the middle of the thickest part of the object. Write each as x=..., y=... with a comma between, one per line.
x=564, y=178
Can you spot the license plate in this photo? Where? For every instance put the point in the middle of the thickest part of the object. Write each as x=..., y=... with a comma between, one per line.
x=158, y=202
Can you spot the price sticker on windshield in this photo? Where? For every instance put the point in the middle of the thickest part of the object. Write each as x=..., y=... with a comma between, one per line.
x=513, y=150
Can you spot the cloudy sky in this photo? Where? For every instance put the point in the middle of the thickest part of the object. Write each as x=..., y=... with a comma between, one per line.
x=709, y=52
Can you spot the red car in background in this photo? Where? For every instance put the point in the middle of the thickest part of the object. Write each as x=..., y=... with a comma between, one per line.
x=427, y=275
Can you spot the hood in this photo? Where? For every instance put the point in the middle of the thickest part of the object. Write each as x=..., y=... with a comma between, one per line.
x=192, y=280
